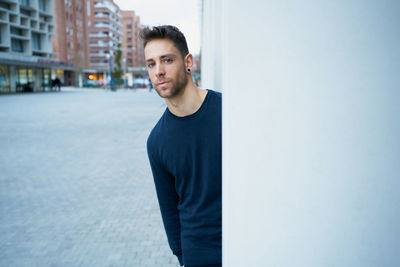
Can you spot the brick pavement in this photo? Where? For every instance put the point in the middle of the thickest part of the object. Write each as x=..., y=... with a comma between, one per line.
x=75, y=184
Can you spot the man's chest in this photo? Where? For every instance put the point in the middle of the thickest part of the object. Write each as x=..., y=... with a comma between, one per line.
x=186, y=150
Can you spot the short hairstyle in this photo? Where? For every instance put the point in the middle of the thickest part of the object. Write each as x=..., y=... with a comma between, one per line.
x=165, y=32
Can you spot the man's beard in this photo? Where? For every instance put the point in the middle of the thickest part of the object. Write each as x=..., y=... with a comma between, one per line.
x=177, y=87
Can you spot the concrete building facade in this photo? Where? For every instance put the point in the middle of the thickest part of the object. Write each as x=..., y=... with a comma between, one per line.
x=74, y=40
x=26, y=29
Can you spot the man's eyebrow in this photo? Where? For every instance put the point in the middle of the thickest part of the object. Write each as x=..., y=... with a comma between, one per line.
x=162, y=56
x=168, y=55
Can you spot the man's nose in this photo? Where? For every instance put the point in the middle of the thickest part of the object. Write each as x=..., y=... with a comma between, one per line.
x=160, y=71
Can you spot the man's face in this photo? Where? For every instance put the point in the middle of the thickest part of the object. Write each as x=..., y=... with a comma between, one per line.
x=166, y=67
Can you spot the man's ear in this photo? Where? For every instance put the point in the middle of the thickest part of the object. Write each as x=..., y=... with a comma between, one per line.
x=189, y=62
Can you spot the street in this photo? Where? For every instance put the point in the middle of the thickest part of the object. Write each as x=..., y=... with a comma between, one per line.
x=75, y=184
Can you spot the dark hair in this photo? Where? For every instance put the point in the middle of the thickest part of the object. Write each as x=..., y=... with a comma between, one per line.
x=165, y=32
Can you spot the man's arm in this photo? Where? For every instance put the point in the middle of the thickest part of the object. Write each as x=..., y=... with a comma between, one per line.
x=168, y=201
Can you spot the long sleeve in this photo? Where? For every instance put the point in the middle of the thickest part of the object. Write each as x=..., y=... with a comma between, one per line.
x=168, y=201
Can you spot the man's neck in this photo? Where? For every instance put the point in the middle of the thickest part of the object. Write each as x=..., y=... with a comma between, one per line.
x=188, y=102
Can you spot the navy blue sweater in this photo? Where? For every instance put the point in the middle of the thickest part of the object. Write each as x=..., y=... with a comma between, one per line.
x=185, y=157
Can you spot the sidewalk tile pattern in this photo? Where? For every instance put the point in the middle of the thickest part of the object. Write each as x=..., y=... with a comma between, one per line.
x=75, y=183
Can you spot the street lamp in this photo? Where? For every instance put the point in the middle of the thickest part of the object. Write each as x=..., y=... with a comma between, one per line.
x=109, y=69
x=125, y=80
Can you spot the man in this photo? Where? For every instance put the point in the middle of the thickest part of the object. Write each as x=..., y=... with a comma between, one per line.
x=56, y=83
x=184, y=150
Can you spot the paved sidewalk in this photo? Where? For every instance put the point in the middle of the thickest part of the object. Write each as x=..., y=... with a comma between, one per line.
x=75, y=184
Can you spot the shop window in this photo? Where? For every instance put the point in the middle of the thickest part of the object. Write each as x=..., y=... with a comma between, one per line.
x=4, y=79
x=46, y=80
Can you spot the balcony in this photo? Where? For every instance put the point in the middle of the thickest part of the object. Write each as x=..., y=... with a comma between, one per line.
x=98, y=35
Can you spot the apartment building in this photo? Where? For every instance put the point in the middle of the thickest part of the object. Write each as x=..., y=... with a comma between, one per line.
x=129, y=33
x=133, y=51
x=26, y=29
x=140, y=49
x=132, y=48
x=70, y=44
x=105, y=34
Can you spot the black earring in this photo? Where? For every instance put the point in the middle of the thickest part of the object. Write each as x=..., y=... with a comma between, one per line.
x=188, y=70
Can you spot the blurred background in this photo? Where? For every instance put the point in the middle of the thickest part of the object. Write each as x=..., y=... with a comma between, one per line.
x=85, y=43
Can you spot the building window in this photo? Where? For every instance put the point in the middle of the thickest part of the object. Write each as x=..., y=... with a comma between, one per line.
x=129, y=26
x=24, y=2
x=42, y=5
x=36, y=41
x=88, y=9
x=16, y=31
x=5, y=5
x=25, y=12
x=17, y=45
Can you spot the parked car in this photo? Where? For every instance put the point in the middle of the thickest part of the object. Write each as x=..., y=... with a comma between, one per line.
x=92, y=83
x=140, y=83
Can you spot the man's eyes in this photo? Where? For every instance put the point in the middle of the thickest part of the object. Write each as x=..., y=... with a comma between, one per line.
x=166, y=60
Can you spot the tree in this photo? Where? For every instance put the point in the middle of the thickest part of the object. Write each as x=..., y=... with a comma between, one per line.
x=118, y=71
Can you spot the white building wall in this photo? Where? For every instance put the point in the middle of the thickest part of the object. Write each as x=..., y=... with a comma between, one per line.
x=211, y=65
x=311, y=126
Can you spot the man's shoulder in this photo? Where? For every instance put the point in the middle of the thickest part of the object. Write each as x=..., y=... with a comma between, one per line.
x=157, y=131
x=215, y=93
x=215, y=97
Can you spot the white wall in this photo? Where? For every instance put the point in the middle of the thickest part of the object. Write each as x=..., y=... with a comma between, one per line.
x=211, y=45
x=311, y=132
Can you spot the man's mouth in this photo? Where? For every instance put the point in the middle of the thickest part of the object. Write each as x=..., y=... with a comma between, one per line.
x=162, y=83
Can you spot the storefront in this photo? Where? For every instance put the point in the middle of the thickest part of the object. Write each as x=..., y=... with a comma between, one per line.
x=4, y=79
x=20, y=73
